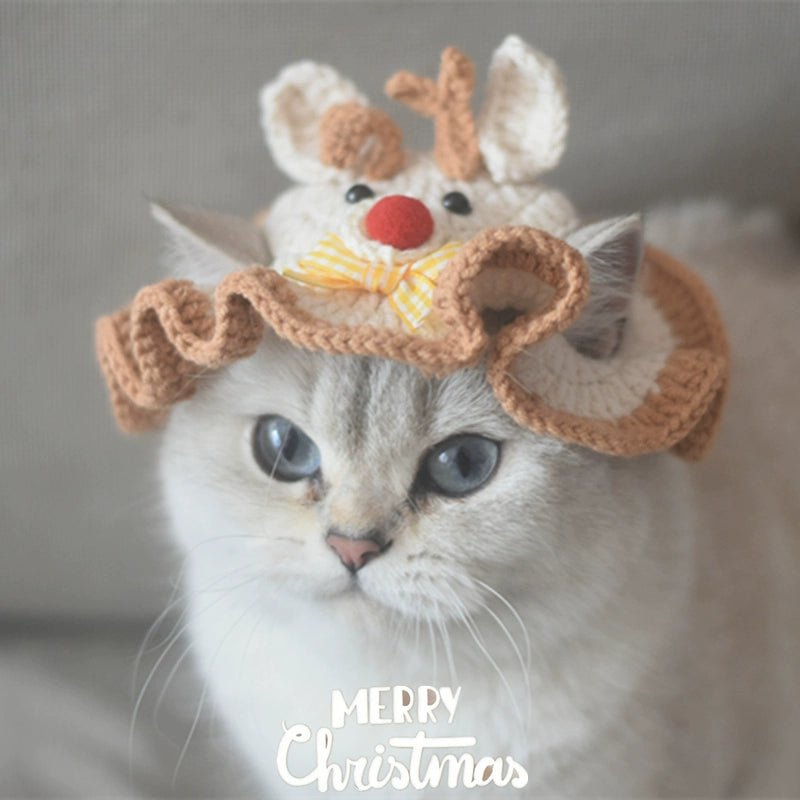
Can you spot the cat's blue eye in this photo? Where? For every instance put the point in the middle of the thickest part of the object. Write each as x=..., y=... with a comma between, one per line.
x=460, y=465
x=283, y=451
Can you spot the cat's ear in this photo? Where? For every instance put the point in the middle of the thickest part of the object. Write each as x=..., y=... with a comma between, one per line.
x=204, y=246
x=613, y=251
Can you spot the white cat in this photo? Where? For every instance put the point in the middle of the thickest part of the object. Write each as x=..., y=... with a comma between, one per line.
x=588, y=624
x=658, y=598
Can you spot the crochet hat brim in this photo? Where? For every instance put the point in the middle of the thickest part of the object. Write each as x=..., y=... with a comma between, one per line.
x=152, y=351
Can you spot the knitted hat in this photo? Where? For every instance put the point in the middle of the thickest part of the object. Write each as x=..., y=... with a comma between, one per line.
x=440, y=262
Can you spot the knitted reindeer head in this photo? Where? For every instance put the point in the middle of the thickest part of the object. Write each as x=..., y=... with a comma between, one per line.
x=440, y=260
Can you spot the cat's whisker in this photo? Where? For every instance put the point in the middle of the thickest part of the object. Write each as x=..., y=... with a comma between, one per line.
x=172, y=638
x=145, y=503
x=515, y=378
x=433, y=648
x=143, y=691
x=195, y=722
x=137, y=666
x=472, y=628
x=221, y=538
x=246, y=650
x=176, y=601
x=178, y=662
x=448, y=651
x=168, y=681
x=204, y=693
x=525, y=668
x=175, y=598
x=516, y=616
x=402, y=624
x=524, y=661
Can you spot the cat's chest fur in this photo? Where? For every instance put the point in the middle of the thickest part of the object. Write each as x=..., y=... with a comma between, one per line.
x=286, y=672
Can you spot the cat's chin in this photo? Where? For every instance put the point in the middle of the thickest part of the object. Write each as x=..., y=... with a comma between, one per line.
x=349, y=598
x=363, y=606
x=355, y=607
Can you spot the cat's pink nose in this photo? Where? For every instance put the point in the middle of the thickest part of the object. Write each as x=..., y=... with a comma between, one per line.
x=400, y=221
x=353, y=553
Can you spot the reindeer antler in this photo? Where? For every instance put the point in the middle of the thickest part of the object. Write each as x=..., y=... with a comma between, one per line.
x=447, y=101
x=350, y=133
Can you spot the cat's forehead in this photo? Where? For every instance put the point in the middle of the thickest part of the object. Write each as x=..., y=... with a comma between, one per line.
x=367, y=400
x=357, y=401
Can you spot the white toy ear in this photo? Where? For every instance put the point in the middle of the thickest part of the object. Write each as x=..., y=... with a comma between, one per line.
x=291, y=108
x=522, y=127
x=204, y=246
x=613, y=250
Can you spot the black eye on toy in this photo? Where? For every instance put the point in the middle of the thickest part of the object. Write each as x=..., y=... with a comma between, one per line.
x=457, y=203
x=358, y=192
x=283, y=451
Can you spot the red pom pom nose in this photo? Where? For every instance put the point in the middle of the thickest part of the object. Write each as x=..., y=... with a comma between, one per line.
x=399, y=221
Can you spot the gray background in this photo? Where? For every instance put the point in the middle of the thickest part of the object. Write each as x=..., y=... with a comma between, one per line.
x=104, y=103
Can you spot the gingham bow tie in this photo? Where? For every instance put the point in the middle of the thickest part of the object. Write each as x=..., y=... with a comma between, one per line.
x=409, y=287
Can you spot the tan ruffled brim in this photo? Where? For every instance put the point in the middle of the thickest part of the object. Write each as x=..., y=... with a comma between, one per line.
x=152, y=351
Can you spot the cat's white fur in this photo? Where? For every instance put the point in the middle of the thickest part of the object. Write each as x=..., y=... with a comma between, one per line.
x=617, y=626
x=659, y=598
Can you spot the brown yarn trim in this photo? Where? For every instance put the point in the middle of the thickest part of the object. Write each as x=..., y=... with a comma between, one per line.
x=447, y=101
x=152, y=351
x=346, y=129
x=692, y=311
x=684, y=415
x=528, y=250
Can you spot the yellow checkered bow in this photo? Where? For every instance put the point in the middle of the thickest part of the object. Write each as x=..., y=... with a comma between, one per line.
x=409, y=287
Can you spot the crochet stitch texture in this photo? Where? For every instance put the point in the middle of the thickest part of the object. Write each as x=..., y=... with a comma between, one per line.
x=152, y=351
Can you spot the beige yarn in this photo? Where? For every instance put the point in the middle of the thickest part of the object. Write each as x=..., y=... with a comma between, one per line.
x=683, y=415
x=152, y=351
